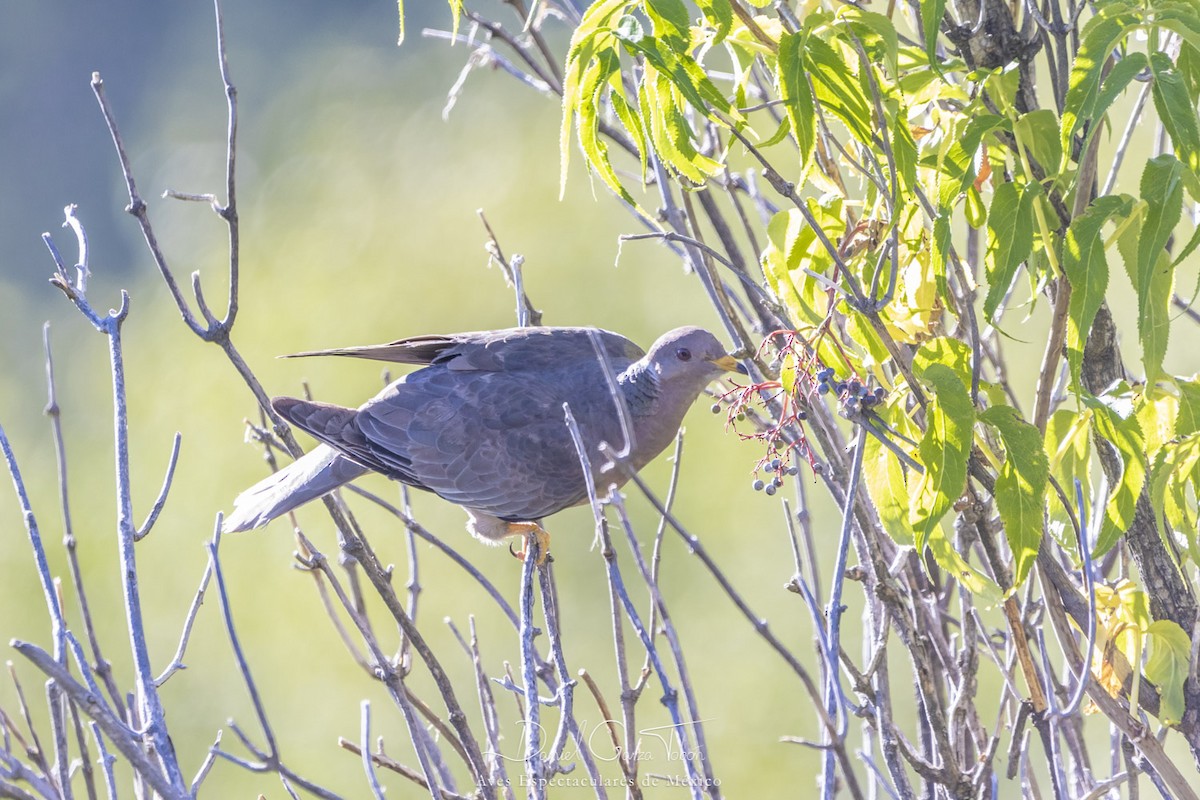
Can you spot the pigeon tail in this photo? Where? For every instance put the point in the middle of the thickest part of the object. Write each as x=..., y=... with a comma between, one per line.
x=317, y=473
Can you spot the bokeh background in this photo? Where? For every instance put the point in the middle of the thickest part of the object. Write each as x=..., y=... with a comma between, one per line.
x=358, y=206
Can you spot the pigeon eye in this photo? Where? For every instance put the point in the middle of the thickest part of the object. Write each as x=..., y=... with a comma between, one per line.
x=683, y=354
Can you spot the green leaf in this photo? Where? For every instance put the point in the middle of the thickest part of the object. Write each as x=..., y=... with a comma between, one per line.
x=1147, y=261
x=1176, y=110
x=629, y=29
x=1126, y=435
x=1174, y=471
x=876, y=32
x=1116, y=82
x=932, y=12
x=591, y=85
x=837, y=89
x=671, y=22
x=944, y=450
x=904, y=147
x=887, y=483
x=957, y=164
x=591, y=40
x=797, y=96
x=983, y=589
x=941, y=250
x=1100, y=35
x=1038, y=132
x=719, y=14
x=1010, y=240
x=1188, y=421
x=947, y=351
x=1167, y=667
x=1188, y=65
x=792, y=248
x=1068, y=445
x=1087, y=270
x=1021, y=485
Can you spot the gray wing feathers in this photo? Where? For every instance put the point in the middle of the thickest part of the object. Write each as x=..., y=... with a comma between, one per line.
x=482, y=426
x=317, y=473
x=508, y=349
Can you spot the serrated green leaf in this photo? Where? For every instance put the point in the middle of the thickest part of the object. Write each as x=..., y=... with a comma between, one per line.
x=1086, y=268
x=876, y=32
x=1038, y=132
x=957, y=164
x=947, y=351
x=1176, y=110
x=718, y=14
x=1126, y=435
x=1020, y=486
x=837, y=88
x=671, y=22
x=1188, y=421
x=941, y=250
x=944, y=450
x=1010, y=240
x=1157, y=411
x=1167, y=667
x=1188, y=65
x=1174, y=483
x=792, y=248
x=591, y=38
x=592, y=83
x=1100, y=35
x=630, y=121
x=932, y=12
x=983, y=589
x=887, y=484
x=629, y=29
x=1142, y=244
x=1068, y=445
x=1114, y=84
x=904, y=148
x=1181, y=17
x=797, y=96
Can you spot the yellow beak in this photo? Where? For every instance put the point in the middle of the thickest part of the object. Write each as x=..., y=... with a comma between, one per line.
x=729, y=364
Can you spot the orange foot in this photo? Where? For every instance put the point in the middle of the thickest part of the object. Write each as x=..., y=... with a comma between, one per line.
x=528, y=531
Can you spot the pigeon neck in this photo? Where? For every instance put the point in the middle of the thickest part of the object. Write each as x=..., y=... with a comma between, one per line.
x=639, y=385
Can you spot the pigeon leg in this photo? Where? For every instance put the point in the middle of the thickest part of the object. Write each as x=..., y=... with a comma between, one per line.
x=527, y=531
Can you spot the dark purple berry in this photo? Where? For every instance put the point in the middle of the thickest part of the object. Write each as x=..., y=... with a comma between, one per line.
x=823, y=388
x=841, y=388
x=716, y=408
x=757, y=486
x=769, y=489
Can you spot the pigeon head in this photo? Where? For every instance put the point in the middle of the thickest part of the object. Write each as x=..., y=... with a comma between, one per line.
x=686, y=359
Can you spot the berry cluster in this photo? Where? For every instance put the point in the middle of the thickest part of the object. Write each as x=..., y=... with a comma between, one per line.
x=779, y=469
x=853, y=393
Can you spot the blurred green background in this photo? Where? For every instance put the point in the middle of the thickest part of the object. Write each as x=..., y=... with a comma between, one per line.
x=358, y=216
x=358, y=206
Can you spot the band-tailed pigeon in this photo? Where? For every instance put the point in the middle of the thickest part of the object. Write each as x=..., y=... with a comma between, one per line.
x=482, y=423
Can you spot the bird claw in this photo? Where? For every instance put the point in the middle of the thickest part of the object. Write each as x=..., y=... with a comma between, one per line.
x=527, y=531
